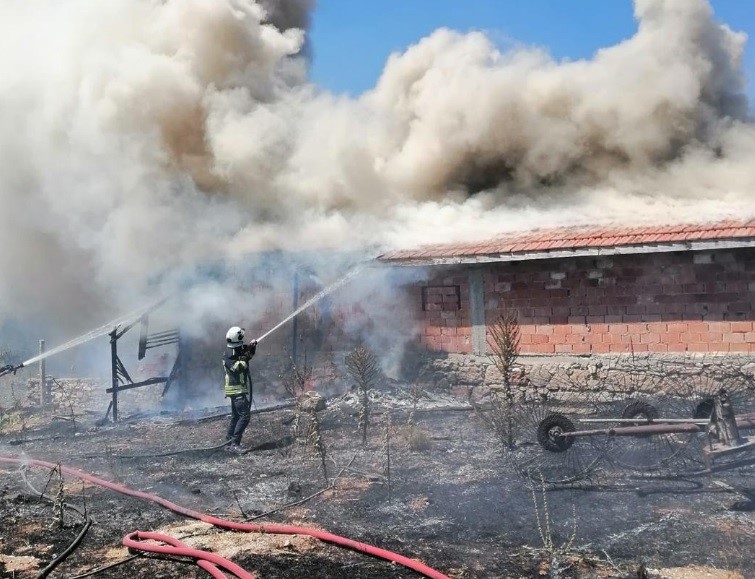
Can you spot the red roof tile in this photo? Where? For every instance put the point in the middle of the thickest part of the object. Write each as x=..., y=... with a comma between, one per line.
x=543, y=241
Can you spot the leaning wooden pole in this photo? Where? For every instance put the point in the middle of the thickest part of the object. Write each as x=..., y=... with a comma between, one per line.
x=44, y=397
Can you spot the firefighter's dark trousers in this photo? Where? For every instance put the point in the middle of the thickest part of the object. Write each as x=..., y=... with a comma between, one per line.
x=240, y=415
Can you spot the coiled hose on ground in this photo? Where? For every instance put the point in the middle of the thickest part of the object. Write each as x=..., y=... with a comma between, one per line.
x=272, y=528
x=208, y=561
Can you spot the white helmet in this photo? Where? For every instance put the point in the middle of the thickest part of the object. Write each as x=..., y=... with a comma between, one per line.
x=235, y=337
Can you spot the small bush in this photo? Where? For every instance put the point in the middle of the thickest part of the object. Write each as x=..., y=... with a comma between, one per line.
x=418, y=440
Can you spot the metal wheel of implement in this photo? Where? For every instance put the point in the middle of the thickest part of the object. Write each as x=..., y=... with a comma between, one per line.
x=550, y=433
x=540, y=452
x=643, y=411
x=703, y=389
x=646, y=452
x=704, y=408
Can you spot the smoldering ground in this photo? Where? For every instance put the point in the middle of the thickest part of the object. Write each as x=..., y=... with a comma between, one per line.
x=457, y=506
x=141, y=139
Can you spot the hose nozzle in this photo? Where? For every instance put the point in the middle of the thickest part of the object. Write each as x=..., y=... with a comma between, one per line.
x=8, y=368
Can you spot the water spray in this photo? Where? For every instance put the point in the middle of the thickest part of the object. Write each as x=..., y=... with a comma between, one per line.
x=84, y=338
x=315, y=298
x=136, y=314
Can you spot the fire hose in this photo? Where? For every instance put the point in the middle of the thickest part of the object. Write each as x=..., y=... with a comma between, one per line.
x=271, y=528
x=207, y=561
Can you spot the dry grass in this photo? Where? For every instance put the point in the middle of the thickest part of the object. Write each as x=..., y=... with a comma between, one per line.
x=16, y=563
x=418, y=504
x=695, y=572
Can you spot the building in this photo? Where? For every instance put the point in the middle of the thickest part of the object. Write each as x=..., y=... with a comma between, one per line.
x=667, y=289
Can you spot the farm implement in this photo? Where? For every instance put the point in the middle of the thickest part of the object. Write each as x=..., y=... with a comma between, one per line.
x=563, y=438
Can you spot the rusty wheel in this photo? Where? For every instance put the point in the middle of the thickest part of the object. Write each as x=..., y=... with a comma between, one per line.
x=540, y=452
x=550, y=433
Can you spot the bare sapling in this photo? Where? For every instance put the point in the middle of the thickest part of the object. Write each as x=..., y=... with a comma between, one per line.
x=278, y=432
x=68, y=399
x=316, y=440
x=59, y=506
x=84, y=497
x=363, y=368
x=504, y=345
x=15, y=418
x=416, y=392
x=551, y=552
x=387, y=452
x=59, y=502
x=295, y=382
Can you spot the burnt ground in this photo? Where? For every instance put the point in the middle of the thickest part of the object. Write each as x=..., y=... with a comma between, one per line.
x=456, y=504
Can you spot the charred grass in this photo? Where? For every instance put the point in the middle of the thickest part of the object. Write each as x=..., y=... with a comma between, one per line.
x=453, y=503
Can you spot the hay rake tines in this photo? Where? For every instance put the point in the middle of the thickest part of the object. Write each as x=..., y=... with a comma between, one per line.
x=541, y=424
x=646, y=439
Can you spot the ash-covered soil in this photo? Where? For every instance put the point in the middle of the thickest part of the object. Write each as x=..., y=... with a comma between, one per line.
x=451, y=501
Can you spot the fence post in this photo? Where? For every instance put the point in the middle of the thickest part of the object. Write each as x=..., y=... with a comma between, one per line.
x=44, y=397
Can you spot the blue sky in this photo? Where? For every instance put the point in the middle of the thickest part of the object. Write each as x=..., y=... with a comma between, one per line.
x=351, y=39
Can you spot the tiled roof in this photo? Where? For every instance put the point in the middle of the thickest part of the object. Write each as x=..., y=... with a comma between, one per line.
x=561, y=240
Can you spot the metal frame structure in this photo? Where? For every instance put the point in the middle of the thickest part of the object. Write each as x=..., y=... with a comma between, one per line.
x=120, y=378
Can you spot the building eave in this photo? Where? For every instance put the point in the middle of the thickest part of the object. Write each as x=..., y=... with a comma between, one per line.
x=565, y=253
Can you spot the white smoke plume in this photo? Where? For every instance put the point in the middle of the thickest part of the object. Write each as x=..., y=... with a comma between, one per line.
x=140, y=139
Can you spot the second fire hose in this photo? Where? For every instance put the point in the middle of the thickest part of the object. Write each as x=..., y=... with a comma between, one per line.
x=236, y=526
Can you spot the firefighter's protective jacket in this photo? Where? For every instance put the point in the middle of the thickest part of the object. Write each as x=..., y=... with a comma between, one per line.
x=236, y=366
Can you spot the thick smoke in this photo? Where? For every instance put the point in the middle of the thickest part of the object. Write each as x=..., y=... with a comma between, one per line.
x=142, y=139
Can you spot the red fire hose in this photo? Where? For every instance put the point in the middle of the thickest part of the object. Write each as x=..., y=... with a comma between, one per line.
x=234, y=526
x=207, y=561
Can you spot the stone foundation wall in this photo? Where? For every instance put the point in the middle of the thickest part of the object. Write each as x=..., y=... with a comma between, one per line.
x=469, y=376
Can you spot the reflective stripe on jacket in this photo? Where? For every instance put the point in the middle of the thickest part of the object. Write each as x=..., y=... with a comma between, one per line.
x=235, y=377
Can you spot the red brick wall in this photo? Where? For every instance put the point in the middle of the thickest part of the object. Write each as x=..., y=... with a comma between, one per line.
x=657, y=302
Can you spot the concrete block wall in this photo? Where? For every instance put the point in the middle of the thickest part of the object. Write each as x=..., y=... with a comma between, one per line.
x=655, y=302
x=446, y=323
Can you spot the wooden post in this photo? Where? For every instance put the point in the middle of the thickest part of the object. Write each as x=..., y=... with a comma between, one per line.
x=114, y=370
x=294, y=328
x=44, y=397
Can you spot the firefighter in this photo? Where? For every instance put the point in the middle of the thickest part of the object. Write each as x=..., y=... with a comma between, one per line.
x=238, y=384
